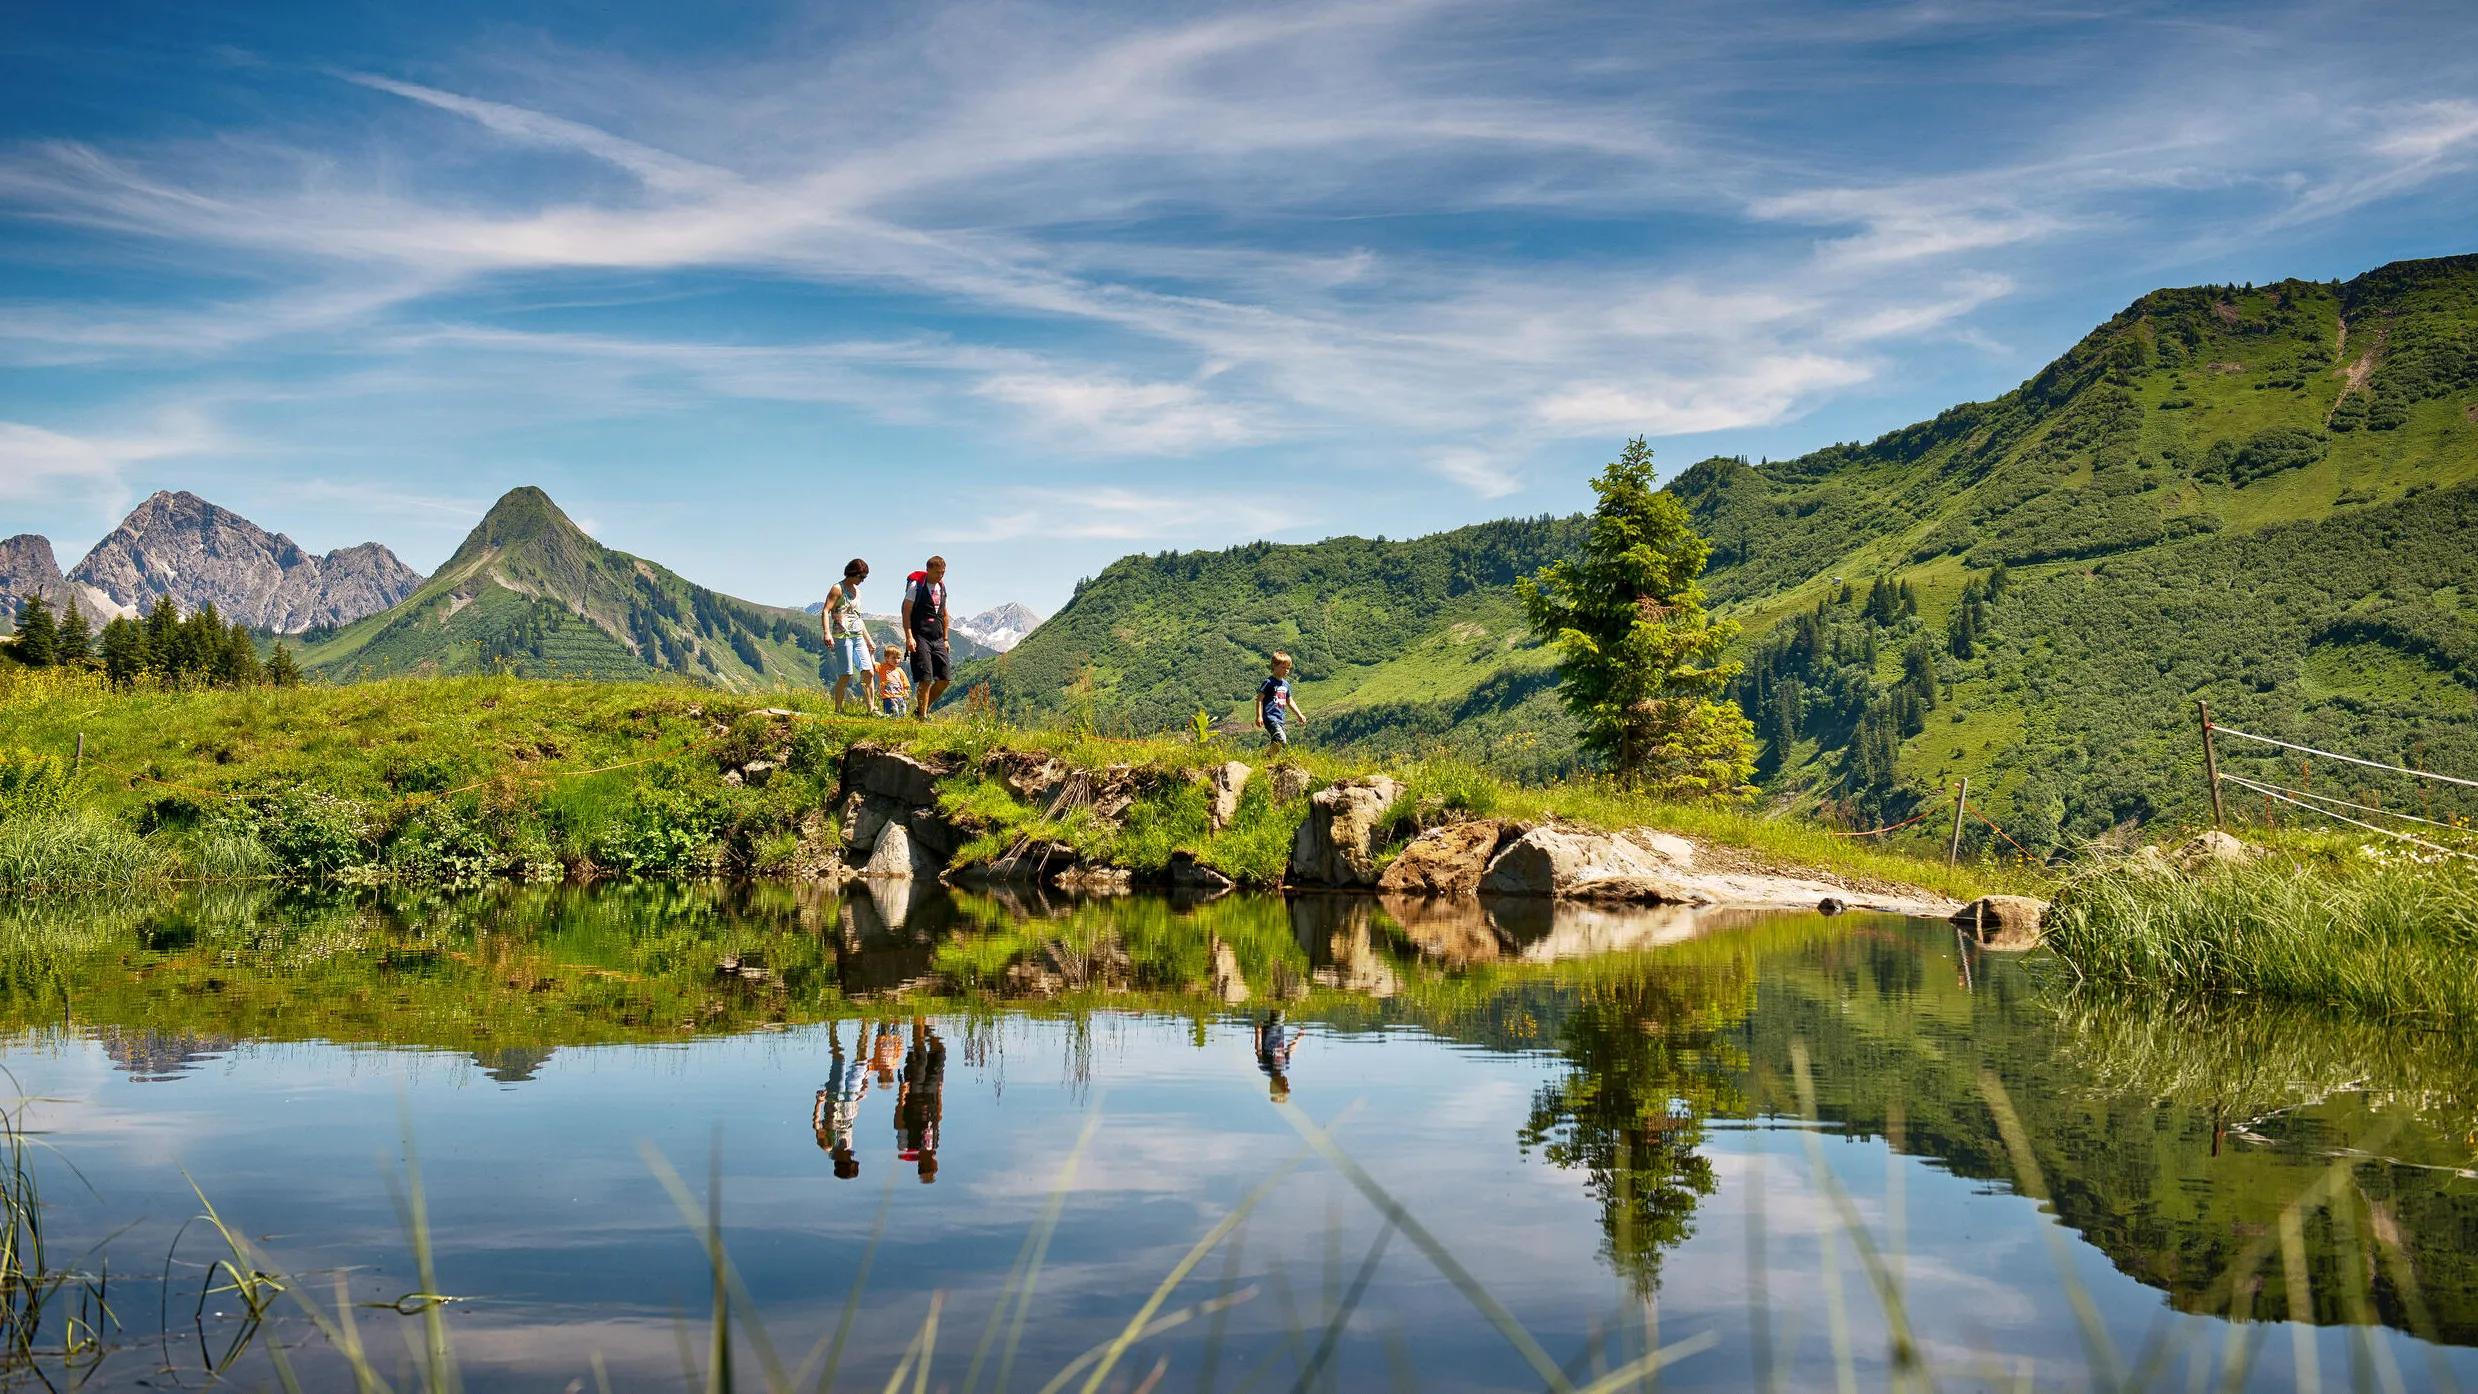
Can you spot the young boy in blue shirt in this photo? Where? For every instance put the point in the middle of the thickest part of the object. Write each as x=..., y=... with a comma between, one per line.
x=1272, y=698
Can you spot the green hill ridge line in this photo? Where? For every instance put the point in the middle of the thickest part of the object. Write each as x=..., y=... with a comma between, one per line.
x=2263, y=496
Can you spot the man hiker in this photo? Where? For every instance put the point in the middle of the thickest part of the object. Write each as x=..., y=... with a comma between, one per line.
x=924, y=634
x=847, y=635
x=1272, y=698
x=921, y=1104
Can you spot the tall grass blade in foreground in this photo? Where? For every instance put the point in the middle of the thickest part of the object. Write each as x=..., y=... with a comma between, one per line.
x=860, y=1280
x=2097, y=1347
x=1028, y=1261
x=1437, y=1253
x=1214, y=1236
x=29, y=1284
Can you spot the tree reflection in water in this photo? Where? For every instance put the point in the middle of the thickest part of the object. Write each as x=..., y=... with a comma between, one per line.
x=1648, y=1061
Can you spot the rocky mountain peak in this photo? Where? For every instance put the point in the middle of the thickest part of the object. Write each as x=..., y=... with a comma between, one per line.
x=179, y=545
x=27, y=567
x=1001, y=628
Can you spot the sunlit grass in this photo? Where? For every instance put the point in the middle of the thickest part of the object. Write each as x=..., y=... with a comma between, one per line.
x=2383, y=940
x=510, y=759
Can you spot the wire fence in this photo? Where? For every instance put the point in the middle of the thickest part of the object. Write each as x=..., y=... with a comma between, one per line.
x=2303, y=796
x=1960, y=793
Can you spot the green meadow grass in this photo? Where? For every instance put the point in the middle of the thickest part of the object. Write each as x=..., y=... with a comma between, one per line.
x=459, y=778
x=2379, y=938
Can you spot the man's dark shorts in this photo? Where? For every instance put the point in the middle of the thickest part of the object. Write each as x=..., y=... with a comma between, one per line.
x=928, y=661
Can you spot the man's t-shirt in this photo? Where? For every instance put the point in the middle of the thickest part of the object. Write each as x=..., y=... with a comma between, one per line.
x=1273, y=694
x=928, y=606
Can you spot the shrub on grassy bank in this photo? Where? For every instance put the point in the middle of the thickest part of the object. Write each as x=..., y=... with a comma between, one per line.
x=2381, y=940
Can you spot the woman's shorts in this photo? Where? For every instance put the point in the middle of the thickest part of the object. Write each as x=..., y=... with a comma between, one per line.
x=847, y=657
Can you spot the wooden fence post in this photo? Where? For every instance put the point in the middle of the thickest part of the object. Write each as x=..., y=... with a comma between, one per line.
x=2211, y=766
x=1961, y=800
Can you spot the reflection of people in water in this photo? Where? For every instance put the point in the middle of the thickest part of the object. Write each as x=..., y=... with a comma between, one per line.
x=1274, y=1041
x=922, y=1103
x=838, y=1104
x=887, y=1053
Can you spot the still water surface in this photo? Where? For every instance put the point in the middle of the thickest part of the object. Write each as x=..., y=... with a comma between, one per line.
x=1612, y=1146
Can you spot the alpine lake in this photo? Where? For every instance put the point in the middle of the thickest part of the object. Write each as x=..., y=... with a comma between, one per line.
x=944, y=1140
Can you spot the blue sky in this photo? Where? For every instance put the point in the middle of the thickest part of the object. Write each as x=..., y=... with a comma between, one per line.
x=752, y=288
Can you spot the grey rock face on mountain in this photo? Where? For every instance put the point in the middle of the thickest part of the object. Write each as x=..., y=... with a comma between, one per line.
x=182, y=546
x=27, y=567
x=1000, y=629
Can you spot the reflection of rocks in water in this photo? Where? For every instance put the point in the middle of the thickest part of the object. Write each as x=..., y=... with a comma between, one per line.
x=512, y=1064
x=1459, y=931
x=1028, y=901
x=889, y=939
x=1083, y=960
x=1453, y=931
x=1544, y=931
x=1229, y=983
x=155, y=1056
x=1339, y=933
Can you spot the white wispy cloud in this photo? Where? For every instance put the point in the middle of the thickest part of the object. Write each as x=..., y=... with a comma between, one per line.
x=1142, y=237
x=1114, y=415
x=1118, y=514
x=1487, y=474
x=36, y=462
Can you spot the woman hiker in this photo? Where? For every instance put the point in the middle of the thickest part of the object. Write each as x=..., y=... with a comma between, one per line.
x=847, y=637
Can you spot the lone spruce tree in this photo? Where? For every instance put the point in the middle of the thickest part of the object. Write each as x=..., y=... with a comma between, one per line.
x=1635, y=647
x=38, y=637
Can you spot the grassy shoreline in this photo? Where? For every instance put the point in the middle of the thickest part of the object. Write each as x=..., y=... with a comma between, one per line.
x=2318, y=921
x=463, y=780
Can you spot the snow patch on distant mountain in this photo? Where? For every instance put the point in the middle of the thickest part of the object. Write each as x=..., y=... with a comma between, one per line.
x=1002, y=628
x=997, y=630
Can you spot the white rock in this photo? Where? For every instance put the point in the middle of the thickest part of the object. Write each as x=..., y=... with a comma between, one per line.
x=2212, y=848
x=1228, y=781
x=1555, y=862
x=892, y=857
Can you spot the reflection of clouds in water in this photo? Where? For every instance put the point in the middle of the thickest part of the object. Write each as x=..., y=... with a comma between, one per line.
x=541, y=1201
x=1967, y=1271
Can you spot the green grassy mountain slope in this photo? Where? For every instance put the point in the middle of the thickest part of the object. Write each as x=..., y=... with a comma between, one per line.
x=1397, y=642
x=2263, y=497
x=2266, y=497
x=530, y=593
